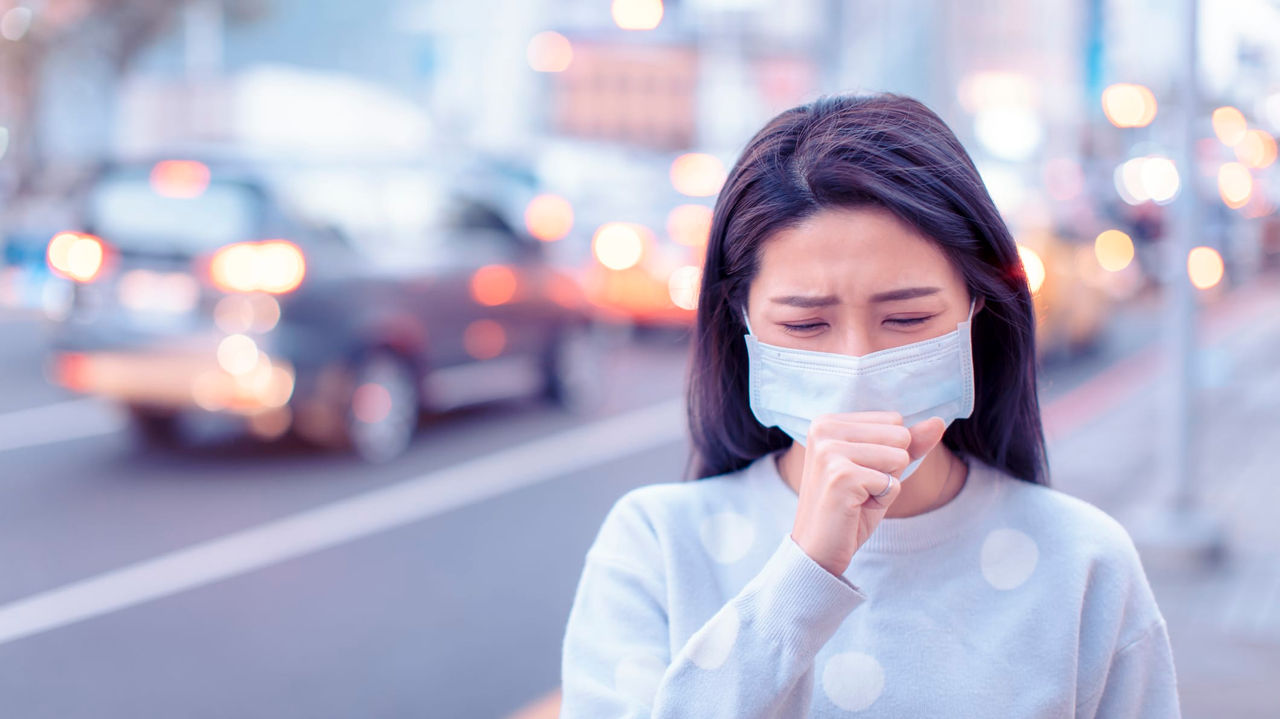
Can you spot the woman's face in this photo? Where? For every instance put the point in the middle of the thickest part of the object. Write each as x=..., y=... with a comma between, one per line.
x=854, y=281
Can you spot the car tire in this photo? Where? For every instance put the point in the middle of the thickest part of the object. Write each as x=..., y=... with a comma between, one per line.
x=155, y=428
x=382, y=415
x=574, y=368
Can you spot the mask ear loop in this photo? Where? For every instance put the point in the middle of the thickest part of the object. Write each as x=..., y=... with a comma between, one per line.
x=746, y=321
x=972, y=303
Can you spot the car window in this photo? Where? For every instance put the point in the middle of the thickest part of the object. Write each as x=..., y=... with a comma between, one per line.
x=128, y=212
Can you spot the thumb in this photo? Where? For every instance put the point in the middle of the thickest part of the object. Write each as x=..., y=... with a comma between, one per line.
x=925, y=436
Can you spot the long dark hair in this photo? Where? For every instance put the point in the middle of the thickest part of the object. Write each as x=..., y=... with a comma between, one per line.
x=847, y=151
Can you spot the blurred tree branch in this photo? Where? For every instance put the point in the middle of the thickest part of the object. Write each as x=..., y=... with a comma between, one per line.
x=118, y=30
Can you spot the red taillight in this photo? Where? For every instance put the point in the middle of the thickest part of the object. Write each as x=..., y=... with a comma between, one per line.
x=76, y=256
x=273, y=266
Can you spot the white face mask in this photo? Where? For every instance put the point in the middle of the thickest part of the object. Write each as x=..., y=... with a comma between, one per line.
x=931, y=378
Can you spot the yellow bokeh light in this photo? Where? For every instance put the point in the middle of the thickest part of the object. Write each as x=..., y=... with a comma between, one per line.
x=1129, y=105
x=75, y=256
x=1257, y=149
x=697, y=174
x=1204, y=267
x=689, y=224
x=1114, y=250
x=637, y=14
x=618, y=245
x=548, y=217
x=550, y=51
x=1235, y=184
x=1229, y=125
x=1033, y=266
x=682, y=285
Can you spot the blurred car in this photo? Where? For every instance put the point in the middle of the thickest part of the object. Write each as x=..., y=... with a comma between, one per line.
x=336, y=302
x=637, y=243
x=1071, y=292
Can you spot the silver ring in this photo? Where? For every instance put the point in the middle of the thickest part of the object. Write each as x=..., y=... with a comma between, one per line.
x=887, y=486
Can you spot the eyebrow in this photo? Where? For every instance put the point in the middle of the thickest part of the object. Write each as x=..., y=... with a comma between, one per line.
x=811, y=301
x=907, y=293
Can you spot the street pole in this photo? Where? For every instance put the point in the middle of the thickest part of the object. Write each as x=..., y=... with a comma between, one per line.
x=1182, y=535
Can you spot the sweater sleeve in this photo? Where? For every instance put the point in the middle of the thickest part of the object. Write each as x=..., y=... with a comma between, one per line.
x=752, y=658
x=1128, y=656
x=1141, y=681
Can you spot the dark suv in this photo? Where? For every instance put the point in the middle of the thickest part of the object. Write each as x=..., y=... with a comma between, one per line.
x=334, y=302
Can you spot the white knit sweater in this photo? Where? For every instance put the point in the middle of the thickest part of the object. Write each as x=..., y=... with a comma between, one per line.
x=1011, y=600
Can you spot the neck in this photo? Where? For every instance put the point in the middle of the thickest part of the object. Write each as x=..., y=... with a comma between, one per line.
x=926, y=489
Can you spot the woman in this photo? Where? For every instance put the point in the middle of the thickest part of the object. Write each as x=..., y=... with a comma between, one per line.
x=872, y=531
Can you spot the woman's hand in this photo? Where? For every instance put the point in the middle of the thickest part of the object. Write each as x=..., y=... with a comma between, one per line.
x=845, y=461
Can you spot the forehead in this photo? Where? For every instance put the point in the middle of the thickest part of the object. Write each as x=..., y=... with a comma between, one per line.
x=859, y=250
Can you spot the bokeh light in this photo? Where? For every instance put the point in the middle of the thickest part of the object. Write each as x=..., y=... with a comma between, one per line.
x=548, y=217
x=1235, y=184
x=1033, y=266
x=618, y=245
x=637, y=14
x=1151, y=178
x=550, y=51
x=689, y=224
x=1129, y=105
x=180, y=179
x=1160, y=179
x=15, y=23
x=1204, y=267
x=493, y=285
x=1229, y=125
x=682, y=285
x=237, y=354
x=275, y=266
x=76, y=256
x=484, y=339
x=1114, y=250
x=697, y=174
x=1257, y=149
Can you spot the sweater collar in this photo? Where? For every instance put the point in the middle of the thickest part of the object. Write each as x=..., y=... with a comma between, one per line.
x=895, y=535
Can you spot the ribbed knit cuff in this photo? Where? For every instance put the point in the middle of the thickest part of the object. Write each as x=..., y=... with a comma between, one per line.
x=795, y=601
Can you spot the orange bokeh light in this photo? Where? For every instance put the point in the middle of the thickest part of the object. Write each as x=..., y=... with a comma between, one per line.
x=689, y=224
x=1229, y=125
x=76, y=256
x=548, y=217
x=697, y=174
x=274, y=266
x=1257, y=149
x=1235, y=184
x=493, y=285
x=1129, y=105
x=1204, y=267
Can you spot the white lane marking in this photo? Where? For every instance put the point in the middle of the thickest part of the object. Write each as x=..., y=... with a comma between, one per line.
x=346, y=520
x=72, y=419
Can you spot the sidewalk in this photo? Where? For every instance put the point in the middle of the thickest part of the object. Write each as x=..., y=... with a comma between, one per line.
x=1224, y=622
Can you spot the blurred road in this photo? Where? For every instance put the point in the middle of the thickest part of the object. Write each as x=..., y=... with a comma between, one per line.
x=235, y=579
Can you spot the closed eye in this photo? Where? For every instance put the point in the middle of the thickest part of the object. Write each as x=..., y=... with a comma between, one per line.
x=802, y=328
x=908, y=321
